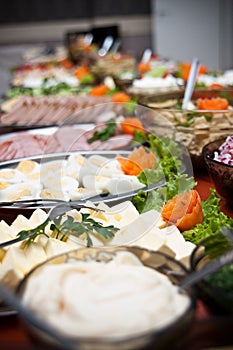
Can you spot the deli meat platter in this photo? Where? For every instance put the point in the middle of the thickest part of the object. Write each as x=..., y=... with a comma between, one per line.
x=56, y=139
x=41, y=111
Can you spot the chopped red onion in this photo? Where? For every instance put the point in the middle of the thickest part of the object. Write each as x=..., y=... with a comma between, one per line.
x=225, y=153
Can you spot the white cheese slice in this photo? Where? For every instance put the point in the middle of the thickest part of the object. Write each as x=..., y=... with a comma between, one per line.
x=55, y=247
x=35, y=254
x=136, y=229
x=184, y=254
x=120, y=215
x=37, y=218
x=14, y=266
x=19, y=224
x=176, y=242
x=5, y=232
x=154, y=240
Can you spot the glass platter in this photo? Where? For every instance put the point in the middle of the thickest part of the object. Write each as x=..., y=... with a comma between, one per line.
x=109, y=199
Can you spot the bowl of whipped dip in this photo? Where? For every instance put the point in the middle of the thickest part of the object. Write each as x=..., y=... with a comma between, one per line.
x=109, y=298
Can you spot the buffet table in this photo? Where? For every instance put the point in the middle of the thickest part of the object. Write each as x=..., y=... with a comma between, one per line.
x=208, y=329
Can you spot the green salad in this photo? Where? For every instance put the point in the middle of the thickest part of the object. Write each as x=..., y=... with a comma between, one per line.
x=168, y=168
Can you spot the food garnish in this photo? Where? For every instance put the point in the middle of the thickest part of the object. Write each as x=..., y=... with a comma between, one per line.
x=143, y=67
x=214, y=220
x=217, y=103
x=120, y=97
x=184, y=210
x=61, y=229
x=168, y=160
x=145, y=201
x=137, y=161
x=216, y=86
x=99, y=90
x=168, y=166
x=60, y=88
x=81, y=72
x=185, y=70
x=66, y=63
x=130, y=124
x=105, y=133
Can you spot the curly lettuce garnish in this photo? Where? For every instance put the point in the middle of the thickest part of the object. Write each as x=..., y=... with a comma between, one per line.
x=145, y=201
x=214, y=220
x=167, y=170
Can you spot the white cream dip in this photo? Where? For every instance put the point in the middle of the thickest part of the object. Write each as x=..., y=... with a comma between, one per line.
x=118, y=298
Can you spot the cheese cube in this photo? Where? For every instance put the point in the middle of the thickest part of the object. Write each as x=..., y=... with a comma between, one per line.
x=154, y=240
x=177, y=243
x=6, y=233
x=35, y=254
x=55, y=246
x=14, y=266
x=37, y=218
x=19, y=224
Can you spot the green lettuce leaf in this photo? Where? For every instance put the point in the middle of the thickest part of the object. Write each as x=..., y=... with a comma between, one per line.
x=214, y=220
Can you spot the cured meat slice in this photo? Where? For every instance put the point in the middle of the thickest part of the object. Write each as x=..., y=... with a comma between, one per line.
x=66, y=139
x=54, y=110
x=22, y=145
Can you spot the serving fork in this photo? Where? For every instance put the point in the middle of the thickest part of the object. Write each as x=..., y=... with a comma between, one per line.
x=54, y=212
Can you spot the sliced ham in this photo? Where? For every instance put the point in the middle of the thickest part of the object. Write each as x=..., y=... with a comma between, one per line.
x=54, y=110
x=71, y=139
x=22, y=145
x=113, y=143
x=66, y=139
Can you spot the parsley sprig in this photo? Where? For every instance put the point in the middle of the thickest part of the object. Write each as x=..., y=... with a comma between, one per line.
x=86, y=227
x=61, y=229
x=104, y=134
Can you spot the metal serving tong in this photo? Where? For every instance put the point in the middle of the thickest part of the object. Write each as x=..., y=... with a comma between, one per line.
x=57, y=210
x=225, y=258
x=213, y=266
x=24, y=203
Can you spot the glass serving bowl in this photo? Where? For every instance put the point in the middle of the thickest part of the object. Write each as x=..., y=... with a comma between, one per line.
x=221, y=173
x=216, y=289
x=193, y=128
x=160, y=337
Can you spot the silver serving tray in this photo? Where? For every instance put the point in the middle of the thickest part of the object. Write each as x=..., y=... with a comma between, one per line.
x=10, y=210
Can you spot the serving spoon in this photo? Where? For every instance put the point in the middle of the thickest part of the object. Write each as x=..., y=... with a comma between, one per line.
x=146, y=56
x=213, y=266
x=108, y=41
x=191, y=82
x=224, y=259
